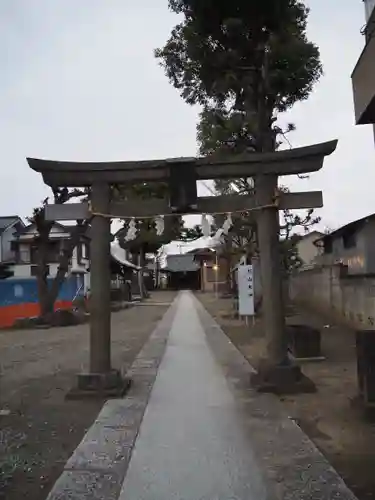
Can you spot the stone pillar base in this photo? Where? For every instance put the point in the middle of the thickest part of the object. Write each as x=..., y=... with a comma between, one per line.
x=360, y=405
x=281, y=379
x=99, y=385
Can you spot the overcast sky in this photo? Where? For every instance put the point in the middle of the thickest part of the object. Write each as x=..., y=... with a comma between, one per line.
x=78, y=81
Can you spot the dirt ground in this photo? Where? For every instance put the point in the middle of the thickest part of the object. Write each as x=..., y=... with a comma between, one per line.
x=329, y=417
x=38, y=367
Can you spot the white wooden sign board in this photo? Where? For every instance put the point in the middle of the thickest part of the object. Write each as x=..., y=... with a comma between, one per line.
x=246, y=291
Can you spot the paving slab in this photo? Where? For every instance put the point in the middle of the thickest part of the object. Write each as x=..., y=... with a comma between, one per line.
x=191, y=428
x=85, y=485
x=104, y=449
x=206, y=435
x=292, y=467
x=191, y=444
x=98, y=465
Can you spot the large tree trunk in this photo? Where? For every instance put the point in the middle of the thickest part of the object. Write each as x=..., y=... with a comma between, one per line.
x=42, y=276
x=268, y=227
x=64, y=260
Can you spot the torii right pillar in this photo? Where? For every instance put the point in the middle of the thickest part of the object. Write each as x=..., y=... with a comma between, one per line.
x=268, y=230
x=276, y=373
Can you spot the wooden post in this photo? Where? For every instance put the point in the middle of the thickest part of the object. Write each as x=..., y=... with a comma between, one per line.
x=100, y=301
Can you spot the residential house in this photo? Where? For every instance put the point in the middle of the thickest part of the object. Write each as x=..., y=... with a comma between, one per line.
x=308, y=251
x=9, y=227
x=363, y=76
x=25, y=250
x=352, y=245
x=19, y=293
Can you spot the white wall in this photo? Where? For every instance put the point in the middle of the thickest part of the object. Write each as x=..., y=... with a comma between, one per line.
x=325, y=289
x=24, y=270
x=54, y=235
x=86, y=283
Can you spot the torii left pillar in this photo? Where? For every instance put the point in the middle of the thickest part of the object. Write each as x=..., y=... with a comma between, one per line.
x=100, y=326
x=101, y=378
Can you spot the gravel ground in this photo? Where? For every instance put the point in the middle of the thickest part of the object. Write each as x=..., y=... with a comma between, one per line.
x=329, y=417
x=38, y=367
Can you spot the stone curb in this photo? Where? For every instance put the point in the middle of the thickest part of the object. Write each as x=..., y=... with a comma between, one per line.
x=97, y=468
x=292, y=467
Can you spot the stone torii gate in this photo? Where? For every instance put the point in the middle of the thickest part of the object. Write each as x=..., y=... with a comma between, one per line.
x=182, y=175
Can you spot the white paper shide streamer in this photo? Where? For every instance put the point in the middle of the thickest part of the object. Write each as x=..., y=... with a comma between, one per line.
x=159, y=225
x=132, y=231
x=206, y=227
x=218, y=234
x=227, y=224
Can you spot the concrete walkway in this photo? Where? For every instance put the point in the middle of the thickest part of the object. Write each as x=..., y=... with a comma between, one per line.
x=191, y=443
x=191, y=428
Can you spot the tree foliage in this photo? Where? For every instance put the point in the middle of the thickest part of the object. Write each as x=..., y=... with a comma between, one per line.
x=217, y=53
x=244, y=62
x=191, y=233
x=221, y=137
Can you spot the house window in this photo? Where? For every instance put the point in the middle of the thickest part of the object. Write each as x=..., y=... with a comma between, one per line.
x=349, y=240
x=52, y=252
x=328, y=247
x=33, y=254
x=34, y=270
x=86, y=251
x=79, y=253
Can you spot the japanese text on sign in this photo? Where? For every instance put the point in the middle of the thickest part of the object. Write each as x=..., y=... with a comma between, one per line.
x=246, y=290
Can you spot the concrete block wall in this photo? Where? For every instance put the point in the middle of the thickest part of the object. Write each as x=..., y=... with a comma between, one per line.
x=348, y=299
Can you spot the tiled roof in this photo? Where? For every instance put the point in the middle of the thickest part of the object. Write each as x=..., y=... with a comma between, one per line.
x=181, y=263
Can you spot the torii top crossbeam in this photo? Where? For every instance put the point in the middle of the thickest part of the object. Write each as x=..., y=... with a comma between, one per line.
x=286, y=162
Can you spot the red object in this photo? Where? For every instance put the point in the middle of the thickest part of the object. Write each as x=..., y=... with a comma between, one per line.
x=9, y=314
